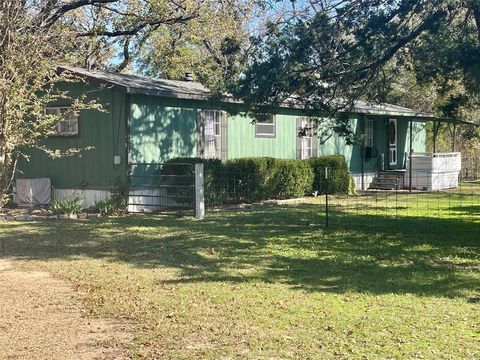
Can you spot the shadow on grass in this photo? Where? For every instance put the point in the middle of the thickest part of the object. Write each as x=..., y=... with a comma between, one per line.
x=275, y=244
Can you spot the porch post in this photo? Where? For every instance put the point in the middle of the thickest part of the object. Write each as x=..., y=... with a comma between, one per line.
x=454, y=135
x=362, y=153
x=434, y=136
x=411, y=159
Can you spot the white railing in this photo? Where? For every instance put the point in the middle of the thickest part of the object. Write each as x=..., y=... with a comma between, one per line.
x=433, y=171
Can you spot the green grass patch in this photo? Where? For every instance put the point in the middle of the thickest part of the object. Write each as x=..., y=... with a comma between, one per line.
x=268, y=283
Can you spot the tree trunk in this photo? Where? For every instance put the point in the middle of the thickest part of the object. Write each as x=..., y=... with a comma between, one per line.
x=3, y=175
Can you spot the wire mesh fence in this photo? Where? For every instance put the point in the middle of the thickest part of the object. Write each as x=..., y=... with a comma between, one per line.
x=394, y=204
x=382, y=208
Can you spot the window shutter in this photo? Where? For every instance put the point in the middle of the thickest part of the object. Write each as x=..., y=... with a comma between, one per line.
x=314, y=139
x=200, y=135
x=224, y=136
x=299, y=139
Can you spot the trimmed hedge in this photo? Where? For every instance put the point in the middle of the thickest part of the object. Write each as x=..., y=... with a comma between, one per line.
x=291, y=179
x=248, y=179
x=253, y=179
x=338, y=176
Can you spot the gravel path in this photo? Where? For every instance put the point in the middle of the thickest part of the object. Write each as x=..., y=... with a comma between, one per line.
x=40, y=318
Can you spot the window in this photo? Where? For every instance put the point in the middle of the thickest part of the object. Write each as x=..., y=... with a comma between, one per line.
x=369, y=133
x=265, y=127
x=306, y=140
x=68, y=123
x=212, y=122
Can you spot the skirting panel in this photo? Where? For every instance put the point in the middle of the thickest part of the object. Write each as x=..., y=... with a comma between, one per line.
x=88, y=197
x=367, y=179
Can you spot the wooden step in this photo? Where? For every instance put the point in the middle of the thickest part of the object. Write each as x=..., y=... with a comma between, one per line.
x=384, y=183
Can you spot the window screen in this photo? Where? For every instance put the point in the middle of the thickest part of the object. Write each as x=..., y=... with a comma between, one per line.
x=265, y=127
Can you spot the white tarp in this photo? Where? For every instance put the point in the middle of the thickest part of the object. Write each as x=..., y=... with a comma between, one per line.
x=31, y=192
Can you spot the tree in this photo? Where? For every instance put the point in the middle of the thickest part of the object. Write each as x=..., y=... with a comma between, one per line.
x=26, y=59
x=356, y=49
x=208, y=46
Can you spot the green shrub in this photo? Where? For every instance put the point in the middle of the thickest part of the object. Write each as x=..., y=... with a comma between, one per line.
x=247, y=180
x=291, y=179
x=338, y=177
x=111, y=206
x=65, y=206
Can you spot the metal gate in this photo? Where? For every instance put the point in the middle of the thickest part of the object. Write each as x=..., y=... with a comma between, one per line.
x=155, y=187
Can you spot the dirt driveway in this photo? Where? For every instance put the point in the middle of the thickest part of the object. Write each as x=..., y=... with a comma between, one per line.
x=40, y=318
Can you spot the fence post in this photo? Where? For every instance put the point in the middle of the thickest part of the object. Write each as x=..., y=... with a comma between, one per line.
x=326, y=197
x=199, y=192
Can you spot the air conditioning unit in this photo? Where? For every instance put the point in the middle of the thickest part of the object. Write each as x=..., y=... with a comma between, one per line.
x=33, y=192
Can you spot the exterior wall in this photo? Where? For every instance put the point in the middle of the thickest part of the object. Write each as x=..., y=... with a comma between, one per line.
x=92, y=169
x=337, y=145
x=161, y=129
x=243, y=143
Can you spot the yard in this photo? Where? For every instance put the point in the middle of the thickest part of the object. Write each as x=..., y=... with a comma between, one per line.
x=271, y=282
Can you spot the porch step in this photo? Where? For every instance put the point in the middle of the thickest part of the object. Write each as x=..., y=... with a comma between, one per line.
x=387, y=180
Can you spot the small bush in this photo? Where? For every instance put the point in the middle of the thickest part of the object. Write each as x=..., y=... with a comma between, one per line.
x=291, y=179
x=66, y=206
x=108, y=207
x=115, y=204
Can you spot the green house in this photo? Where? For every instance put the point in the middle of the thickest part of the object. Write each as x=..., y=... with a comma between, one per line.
x=147, y=121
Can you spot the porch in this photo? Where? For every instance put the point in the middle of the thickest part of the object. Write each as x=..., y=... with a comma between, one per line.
x=402, y=161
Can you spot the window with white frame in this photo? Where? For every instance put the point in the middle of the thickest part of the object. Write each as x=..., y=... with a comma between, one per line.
x=306, y=149
x=265, y=127
x=369, y=133
x=68, y=123
x=212, y=122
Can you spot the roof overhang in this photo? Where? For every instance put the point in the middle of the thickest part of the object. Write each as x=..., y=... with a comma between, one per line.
x=195, y=91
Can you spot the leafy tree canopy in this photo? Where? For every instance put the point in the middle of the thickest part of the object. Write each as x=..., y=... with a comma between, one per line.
x=367, y=49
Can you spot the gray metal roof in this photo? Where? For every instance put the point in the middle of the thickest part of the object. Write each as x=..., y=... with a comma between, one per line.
x=135, y=84
x=364, y=107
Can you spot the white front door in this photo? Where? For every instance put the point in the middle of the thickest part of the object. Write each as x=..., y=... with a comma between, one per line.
x=392, y=142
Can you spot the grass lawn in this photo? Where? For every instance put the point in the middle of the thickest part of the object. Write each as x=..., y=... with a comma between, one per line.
x=263, y=283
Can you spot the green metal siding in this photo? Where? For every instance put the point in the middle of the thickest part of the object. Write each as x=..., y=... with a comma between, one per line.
x=161, y=129
x=104, y=131
x=353, y=155
x=243, y=143
x=336, y=145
